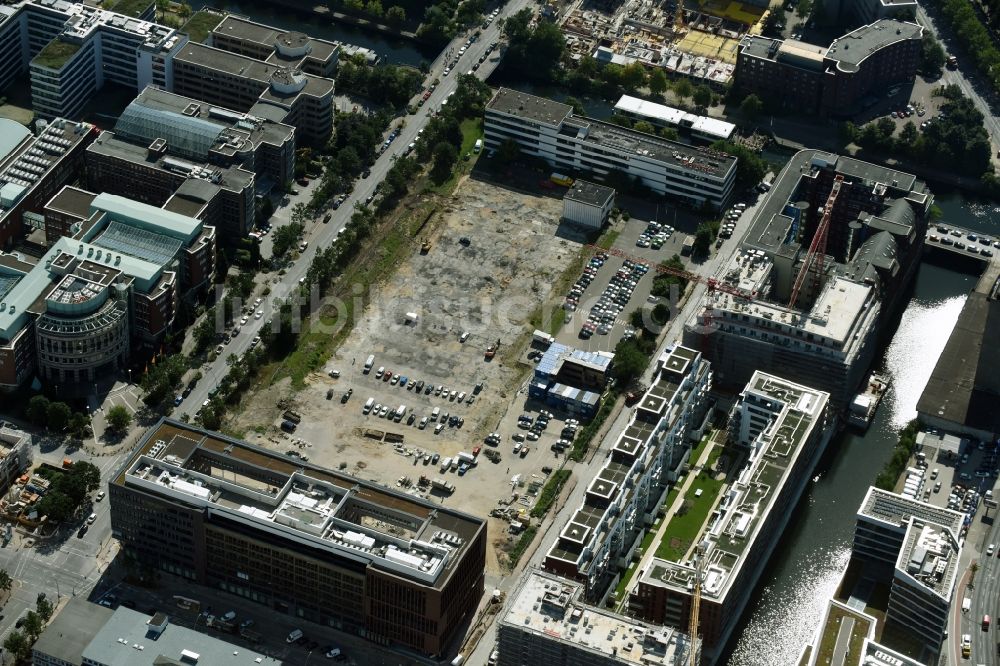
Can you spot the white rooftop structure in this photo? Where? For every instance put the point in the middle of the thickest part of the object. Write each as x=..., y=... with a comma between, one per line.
x=703, y=126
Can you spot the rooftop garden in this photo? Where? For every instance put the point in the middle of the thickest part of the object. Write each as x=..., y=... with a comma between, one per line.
x=133, y=8
x=687, y=522
x=828, y=640
x=56, y=53
x=200, y=25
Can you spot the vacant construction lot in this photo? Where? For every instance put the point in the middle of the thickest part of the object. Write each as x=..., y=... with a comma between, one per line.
x=494, y=258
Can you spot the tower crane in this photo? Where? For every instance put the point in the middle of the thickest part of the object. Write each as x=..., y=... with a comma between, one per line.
x=817, y=248
x=693, y=657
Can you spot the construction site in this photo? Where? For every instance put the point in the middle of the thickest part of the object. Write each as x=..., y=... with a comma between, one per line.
x=698, y=40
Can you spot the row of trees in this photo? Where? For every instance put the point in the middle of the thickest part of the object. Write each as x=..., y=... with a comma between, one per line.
x=394, y=15
x=957, y=141
x=352, y=149
x=58, y=417
x=445, y=18
x=18, y=642
x=978, y=43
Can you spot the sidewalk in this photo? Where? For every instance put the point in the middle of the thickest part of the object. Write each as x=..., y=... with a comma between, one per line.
x=671, y=511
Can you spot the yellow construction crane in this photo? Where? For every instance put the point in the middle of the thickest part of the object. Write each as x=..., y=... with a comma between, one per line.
x=693, y=659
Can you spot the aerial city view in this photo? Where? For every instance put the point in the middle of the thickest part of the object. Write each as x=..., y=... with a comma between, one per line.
x=499, y=332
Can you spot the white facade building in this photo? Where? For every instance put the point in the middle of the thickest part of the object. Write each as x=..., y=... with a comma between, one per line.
x=622, y=500
x=702, y=128
x=588, y=204
x=547, y=129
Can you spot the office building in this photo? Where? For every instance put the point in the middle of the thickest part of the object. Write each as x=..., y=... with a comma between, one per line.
x=780, y=429
x=547, y=622
x=86, y=634
x=859, y=627
x=100, y=298
x=828, y=338
x=72, y=49
x=222, y=197
x=549, y=130
x=588, y=204
x=275, y=46
x=839, y=81
x=33, y=168
x=863, y=12
x=298, y=539
x=918, y=546
x=16, y=455
x=622, y=500
x=571, y=379
x=696, y=128
x=192, y=130
x=276, y=92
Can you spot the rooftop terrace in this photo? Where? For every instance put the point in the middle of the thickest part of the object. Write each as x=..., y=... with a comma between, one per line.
x=299, y=502
x=735, y=522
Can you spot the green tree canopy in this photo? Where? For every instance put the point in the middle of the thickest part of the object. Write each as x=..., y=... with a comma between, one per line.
x=702, y=96
x=657, y=82
x=751, y=106
x=445, y=156
x=119, y=419
x=38, y=409
x=58, y=415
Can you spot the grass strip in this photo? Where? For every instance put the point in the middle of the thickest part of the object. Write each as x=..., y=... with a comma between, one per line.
x=550, y=491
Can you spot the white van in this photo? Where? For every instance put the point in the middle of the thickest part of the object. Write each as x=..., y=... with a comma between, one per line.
x=479, y=146
x=435, y=413
x=368, y=406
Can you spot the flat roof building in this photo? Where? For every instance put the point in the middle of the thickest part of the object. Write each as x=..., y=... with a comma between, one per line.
x=223, y=197
x=102, y=297
x=622, y=500
x=16, y=454
x=838, y=81
x=34, y=168
x=781, y=428
x=285, y=48
x=216, y=510
x=699, y=128
x=826, y=339
x=83, y=633
x=588, y=204
x=547, y=622
x=191, y=129
x=547, y=129
x=571, y=379
x=918, y=545
x=277, y=92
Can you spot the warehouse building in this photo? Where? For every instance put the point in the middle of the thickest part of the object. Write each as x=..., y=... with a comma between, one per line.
x=547, y=129
x=298, y=539
x=588, y=204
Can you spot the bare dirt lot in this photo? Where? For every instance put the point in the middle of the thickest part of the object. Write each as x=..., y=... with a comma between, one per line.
x=495, y=257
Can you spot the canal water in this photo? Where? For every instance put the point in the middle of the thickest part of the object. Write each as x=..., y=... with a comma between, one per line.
x=396, y=51
x=806, y=566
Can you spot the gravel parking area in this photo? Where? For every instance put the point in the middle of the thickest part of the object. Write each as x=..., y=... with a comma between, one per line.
x=495, y=257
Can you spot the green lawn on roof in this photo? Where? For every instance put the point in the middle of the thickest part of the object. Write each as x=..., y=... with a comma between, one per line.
x=56, y=53
x=685, y=525
x=133, y=8
x=200, y=24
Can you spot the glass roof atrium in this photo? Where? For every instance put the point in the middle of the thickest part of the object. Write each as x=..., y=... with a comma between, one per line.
x=185, y=136
x=139, y=243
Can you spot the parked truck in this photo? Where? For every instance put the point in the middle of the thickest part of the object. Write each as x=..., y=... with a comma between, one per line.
x=560, y=179
x=466, y=457
x=542, y=338
x=369, y=363
x=688, y=247
x=441, y=484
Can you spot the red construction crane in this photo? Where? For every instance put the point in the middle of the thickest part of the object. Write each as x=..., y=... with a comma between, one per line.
x=817, y=248
x=713, y=283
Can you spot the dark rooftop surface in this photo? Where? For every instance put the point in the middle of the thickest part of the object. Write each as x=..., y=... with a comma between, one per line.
x=72, y=200
x=531, y=107
x=964, y=387
x=851, y=49
x=589, y=193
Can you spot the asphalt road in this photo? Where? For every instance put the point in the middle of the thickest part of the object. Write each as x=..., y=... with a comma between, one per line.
x=585, y=471
x=985, y=597
x=970, y=83
x=320, y=235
